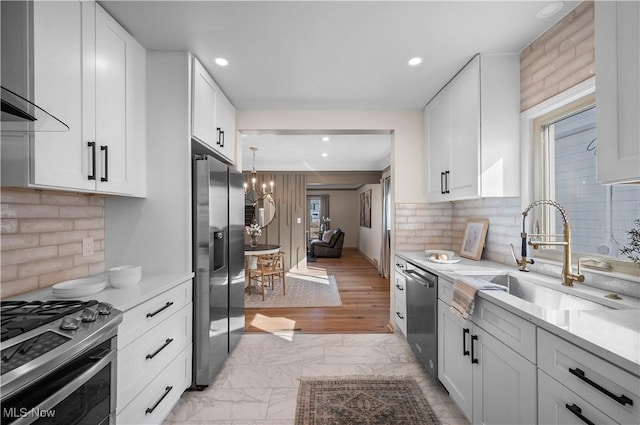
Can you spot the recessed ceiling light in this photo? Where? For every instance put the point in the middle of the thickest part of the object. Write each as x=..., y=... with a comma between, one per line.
x=415, y=61
x=550, y=9
x=325, y=139
x=324, y=154
x=221, y=61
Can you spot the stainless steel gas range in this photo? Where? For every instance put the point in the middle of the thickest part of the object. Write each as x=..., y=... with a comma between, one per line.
x=58, y=361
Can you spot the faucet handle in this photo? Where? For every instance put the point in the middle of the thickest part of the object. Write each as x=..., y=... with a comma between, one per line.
x=521, y=262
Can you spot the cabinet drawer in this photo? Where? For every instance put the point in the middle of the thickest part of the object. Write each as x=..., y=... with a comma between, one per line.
x=400, y=317
x=559, y=358
x=145, y=316
x=557, y=405
x=512, y=330
x=152, y=352
x=157, y=399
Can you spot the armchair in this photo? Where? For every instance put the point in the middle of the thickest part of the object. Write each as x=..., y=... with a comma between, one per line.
x=333, y=248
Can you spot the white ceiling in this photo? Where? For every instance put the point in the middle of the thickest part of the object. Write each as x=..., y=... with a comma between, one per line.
x=350, y=152
x=331, y=54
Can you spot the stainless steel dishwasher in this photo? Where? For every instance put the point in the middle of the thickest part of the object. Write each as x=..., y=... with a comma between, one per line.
x=422, y=316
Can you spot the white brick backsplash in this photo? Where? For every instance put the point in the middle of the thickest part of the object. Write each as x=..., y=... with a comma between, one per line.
x=442, y=226
x=42, y=235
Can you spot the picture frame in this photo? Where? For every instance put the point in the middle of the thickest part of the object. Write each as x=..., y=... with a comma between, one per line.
x=365, y=208
x=473, y=238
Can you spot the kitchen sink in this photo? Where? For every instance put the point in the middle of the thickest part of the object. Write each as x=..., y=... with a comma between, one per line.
x=535, y=293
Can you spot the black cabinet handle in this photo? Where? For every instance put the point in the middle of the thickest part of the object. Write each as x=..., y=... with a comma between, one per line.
x=400, y=265
x=222, y=139
x=92, y=145
x=442, y=183
x=399, y=315
x=166, y=306
x=106, y=163
x=465, y=352
x=149, y=410
x=218, y=130
x=446, y=181
x=578, y=412
x=400, y=288
x=473, y=356
x=622, y=399
x=166, y=343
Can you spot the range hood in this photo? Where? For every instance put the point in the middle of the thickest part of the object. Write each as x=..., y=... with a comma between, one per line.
x=18, y=112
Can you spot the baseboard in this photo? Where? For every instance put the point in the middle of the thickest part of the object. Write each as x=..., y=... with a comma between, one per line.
x=373, y=261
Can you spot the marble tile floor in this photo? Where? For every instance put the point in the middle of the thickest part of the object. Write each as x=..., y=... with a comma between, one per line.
x=258, y=383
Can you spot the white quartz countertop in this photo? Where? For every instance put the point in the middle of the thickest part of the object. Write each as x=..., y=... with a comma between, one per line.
x=613, y=334
x=122, y=299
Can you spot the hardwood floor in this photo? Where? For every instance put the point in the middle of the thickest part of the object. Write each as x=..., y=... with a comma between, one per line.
x=364, y=309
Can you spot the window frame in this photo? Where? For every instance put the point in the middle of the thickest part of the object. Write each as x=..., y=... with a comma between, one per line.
x=567, y=103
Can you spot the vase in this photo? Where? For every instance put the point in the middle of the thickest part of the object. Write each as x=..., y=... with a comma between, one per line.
x=254, y=241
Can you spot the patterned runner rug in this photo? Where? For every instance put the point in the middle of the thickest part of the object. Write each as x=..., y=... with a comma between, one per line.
x=302, y=291
x=362, y=400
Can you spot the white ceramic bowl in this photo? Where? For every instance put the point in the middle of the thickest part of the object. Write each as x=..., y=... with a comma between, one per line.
x=125, y=276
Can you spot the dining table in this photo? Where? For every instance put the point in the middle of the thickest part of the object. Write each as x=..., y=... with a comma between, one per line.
x=251, y=254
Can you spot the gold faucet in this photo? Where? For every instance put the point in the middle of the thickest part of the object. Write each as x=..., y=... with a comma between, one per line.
x=568, y=276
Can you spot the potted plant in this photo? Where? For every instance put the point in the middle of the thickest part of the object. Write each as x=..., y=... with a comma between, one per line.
x=632, y=251
x=254, y=231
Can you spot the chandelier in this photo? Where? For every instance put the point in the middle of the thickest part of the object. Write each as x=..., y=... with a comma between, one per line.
x=261, y=192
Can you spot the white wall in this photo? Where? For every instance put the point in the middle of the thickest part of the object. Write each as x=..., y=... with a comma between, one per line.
x=155, y=232
x=370, y=239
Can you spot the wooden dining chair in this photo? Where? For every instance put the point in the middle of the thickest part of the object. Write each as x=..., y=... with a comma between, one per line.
x=269, y=268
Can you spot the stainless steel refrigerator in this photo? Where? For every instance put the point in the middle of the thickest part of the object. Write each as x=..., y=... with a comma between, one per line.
x=218, y=262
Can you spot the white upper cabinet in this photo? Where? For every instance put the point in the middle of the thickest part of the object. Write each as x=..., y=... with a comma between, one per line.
x=617, y=33
x=226, y=126
x=62, y=84
x=120, y=80
x=213, y=117
x=90, y=73
x=203, y=113
x=472, y=132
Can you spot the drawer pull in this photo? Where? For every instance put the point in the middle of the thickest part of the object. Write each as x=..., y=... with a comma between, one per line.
x=166, y=343
x=473, y=356
x=465, y=352
x=400, y=288
x=166, y=306
x=399, y=315
x=150, y=410
x=578, y=412
x=622, y=399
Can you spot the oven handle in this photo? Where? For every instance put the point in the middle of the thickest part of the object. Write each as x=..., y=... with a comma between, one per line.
x=64, y=392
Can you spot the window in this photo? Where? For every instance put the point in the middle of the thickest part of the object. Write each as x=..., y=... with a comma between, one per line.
x=599, y=215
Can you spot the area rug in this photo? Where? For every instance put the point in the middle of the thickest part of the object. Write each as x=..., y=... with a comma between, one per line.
x=362, y=400
x=302, y=291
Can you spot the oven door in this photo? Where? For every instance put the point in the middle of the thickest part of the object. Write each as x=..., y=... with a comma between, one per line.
x=82, y=391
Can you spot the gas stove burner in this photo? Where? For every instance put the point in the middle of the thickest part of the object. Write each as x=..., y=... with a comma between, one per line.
x=19, y=317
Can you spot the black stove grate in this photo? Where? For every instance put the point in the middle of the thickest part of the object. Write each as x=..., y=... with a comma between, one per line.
x=18, y=317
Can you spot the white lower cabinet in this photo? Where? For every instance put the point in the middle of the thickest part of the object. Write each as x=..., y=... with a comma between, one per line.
x=603, y=389
x=504, y=389
x=154, y=356
x=153, y=404
x=400, y=295
x=557, y=405
x=454, y=365
x=490, y=382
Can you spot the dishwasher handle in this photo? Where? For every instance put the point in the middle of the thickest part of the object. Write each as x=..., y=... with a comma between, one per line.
x=428, y=281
